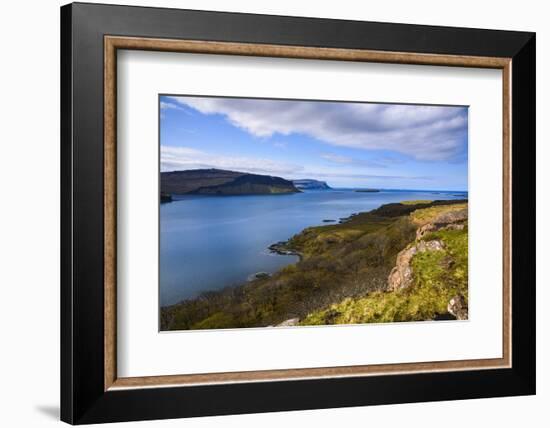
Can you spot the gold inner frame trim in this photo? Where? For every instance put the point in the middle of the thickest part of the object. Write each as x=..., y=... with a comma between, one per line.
x=113, y=43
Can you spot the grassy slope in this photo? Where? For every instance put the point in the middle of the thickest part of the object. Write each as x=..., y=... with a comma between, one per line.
x=438, y=276
x=344, y=263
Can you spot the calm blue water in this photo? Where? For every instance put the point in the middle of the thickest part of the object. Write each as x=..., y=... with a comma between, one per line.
x=211, y=242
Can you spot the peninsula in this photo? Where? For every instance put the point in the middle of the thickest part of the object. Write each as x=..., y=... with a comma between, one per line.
x=223, y=182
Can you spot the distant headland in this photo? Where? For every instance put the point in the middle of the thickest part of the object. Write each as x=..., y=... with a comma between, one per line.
x=223, y=182
x=310, y=184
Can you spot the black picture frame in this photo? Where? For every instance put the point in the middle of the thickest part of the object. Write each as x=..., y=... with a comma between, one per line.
x=83, y=398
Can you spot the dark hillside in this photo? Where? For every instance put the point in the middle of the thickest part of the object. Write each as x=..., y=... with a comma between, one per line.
x=221, y=182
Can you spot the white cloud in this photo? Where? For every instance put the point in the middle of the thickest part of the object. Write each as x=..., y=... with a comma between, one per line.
x=333, y=157
x=423, y=132
x=165, y=105
x=280, y=144
x=169, y=106
x=349, y=161
x=182, y=158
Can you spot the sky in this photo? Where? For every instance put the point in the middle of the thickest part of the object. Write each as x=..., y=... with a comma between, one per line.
x=357, y=145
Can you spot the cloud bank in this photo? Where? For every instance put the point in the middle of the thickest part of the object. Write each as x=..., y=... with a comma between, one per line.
x=182, y=158
x=428, y=133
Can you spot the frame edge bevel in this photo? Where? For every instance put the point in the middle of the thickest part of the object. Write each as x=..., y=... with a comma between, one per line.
x=66, y=305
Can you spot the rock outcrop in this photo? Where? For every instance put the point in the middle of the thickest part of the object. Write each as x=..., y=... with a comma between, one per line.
x=165, y=197
x=446, y=221
x=458, y=307
x=289, y=323
x=401, y=275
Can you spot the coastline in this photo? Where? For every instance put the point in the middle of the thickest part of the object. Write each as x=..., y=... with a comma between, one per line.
x=304, y=289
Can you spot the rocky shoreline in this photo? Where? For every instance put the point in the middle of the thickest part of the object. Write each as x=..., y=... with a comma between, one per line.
x=282, y=248
x=258, y=275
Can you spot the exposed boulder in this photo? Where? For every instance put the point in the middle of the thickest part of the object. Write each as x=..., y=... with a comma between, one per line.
x=433, y=245
x=289, y=323
x=458, y=306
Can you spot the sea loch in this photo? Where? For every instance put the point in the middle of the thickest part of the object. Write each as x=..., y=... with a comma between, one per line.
x=211, y=242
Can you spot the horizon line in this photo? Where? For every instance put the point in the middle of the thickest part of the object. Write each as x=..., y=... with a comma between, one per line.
x=324, y=181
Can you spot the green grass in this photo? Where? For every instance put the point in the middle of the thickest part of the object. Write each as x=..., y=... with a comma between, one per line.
x=416, y=202
x=318, y=240
x=426, y=215
x=216, y=320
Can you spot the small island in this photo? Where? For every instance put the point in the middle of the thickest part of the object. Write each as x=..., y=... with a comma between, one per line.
x=367, y=190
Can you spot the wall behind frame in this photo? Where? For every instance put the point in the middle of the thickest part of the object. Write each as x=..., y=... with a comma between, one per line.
x=29, y=218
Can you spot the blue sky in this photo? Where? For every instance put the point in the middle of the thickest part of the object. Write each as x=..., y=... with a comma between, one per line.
x=391, y=146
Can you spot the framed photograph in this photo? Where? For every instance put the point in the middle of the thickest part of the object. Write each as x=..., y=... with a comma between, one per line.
x=266, y=213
